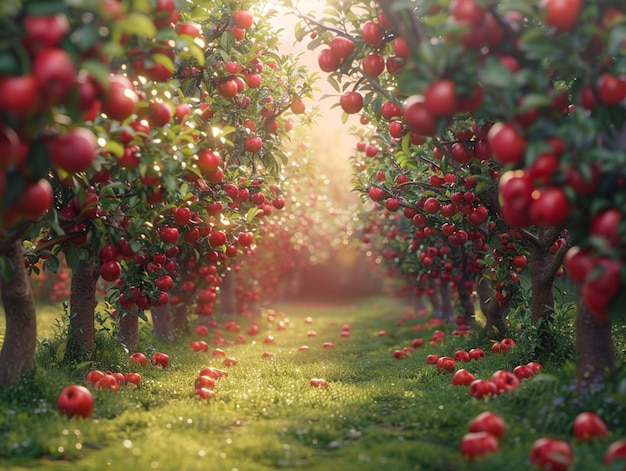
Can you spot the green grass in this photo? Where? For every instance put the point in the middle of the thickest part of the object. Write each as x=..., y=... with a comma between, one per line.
x=377, y=412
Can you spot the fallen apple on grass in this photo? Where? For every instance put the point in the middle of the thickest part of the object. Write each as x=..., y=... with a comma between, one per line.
x=318, y=383
x=75, y=401
x=476, y=444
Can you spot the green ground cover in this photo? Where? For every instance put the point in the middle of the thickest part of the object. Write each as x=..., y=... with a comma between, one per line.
x=378, y=412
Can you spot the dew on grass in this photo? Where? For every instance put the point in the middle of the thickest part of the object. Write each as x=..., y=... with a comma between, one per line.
x=65, y=432
x=201, y=453
x=223, y=455
x=79, y=446
x=127, y=443
x=154, y=464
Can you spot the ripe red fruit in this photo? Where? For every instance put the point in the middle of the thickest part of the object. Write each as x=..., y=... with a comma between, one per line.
x=417, y=116
x=507, y=143
x=578, y=264
x=611, y=89
x=549, y=208
x=44, y=31
x=616, y=451
x=253, y=144
x=227, y=88
x=351, y=102
x=589, y=425
x=121, y=101
x=160, y=359
x=467, y=11
x=108, y=381
x=35, y=200
x=328, y=61
x=562, y=14
x=138, y=358
x=245, y=239
x=208, y=160
x=170, y=235
x=441, y=99
x=482, y=388
x=376, y=194
x=318, y=383
x=75, y=151
x=373, y=64
x=523, y=372
x=75, y=400
x=372, y=33
x=278, y=202
x=551, y=454
x=477, y=354
x=243, y=19
x=341, y=46
x=55, y=74
x=446, y=364
x=217, y=238
x=159, y=113
x=475, y=444
x=432, y=205
x=463, y=377
x=505, y=381
x=18, y=95
x=462, y=355
x=110, y=271
x=132, y=378
x=488, y=422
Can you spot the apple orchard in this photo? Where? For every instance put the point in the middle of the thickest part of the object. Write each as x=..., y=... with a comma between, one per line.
x=154, y=161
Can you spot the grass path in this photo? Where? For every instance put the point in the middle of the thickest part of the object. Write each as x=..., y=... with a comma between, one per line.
x=377, y=412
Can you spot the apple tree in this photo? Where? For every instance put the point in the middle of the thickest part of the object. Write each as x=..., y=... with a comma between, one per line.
x=546, y=83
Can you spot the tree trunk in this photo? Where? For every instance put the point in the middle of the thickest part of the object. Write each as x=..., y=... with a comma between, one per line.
x=435, y=299
x=20, y=340
x=446, y=301
x=595, y=351
x=180, y=317
x=82, y=335
x=466, y=302
x=541, y=284
x=493, y=312
x=162, y=322
x=227, y=295
x=129, y=329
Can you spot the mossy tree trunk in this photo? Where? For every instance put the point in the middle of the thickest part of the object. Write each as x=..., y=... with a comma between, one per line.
x=82, y=335
x=18, y=350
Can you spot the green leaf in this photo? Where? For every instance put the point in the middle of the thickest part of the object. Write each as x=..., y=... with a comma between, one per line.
x=139, y=24
x=61, y=350
x=52, y=264
x=252, y=213
x=43, y=7
x=616, y=40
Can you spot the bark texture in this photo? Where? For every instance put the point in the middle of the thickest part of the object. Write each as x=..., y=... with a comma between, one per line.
x=493, y=312
x=129, y=329
x=466, y=302
x=595, y=351
x=18, y=350
x=82, y=335
x=446, y=301
x=162, y=322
